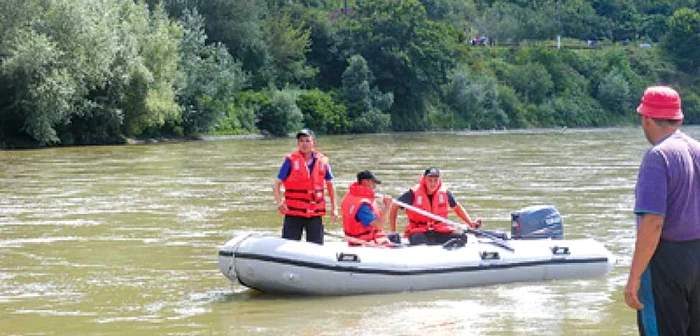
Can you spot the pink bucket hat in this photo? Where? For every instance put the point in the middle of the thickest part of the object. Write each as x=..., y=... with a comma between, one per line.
x=661, y=102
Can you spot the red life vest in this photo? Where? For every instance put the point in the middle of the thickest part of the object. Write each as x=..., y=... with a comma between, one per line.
x=351, y=203
x=303, y=191
x=440, y=206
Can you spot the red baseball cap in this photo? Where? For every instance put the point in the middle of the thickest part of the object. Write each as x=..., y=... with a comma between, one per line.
x=661, y=102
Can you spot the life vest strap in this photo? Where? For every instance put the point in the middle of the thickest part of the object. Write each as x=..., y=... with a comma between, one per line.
x=303, y=200
x=370, y=231
x=302, y=191
x=306, y=210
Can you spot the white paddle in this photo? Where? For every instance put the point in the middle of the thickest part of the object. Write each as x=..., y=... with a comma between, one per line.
x=496, y=240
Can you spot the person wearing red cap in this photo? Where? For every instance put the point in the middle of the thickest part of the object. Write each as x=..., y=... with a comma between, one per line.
x=664, y=279
x=304, y=174
x=432, y=196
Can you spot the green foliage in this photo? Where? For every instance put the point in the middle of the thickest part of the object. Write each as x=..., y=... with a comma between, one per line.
x=510, y=22
x=287, y=46
x=43, y=93
x=532, y=81
x=614, y=92
x=242, y=117
x=512, y=106
x=407, y=53
x=281, y=115
x=212, y=80
x=691, y=106
x=573, y=111
x=474, y=101
x=90, y=71
x=238, y=24
x=322, y=54
x=321, y=113
x=152, y=66
x=579, y=19
x=457, y=13
x=682, y=41
x=80, y=71
x=364, y=102
x=54, y=78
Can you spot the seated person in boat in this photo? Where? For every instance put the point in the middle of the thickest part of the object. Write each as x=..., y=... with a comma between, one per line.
x=432, y=196
x=363, y=220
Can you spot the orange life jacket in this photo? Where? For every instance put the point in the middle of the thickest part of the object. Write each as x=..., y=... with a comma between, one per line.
x=303, y=191
x=351, y=203
x=440, y=206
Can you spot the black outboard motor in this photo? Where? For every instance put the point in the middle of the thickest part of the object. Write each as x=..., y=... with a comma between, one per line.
x=536, y=222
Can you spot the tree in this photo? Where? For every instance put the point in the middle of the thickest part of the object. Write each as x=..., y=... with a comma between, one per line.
x=238, y=24
x=212, y=78
x=579, y=20
x=321, y=113
x=622, y=16
x=682, y=41
x=532, y=81
x=457, y=13
x=282, y=115
x=42, y=93
x=408, y=54
x=56, y=67
x=84, y=71
x=501, y=22
x=153, y=68
x=287, y=47
x=475, y=100
x=322, y=55
x=365, y=103
x=614, y=92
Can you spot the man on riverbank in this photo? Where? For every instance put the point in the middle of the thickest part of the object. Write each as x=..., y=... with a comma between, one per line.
x=664, y=279
x=432, y=196
x=362, y=217
x=304, y=174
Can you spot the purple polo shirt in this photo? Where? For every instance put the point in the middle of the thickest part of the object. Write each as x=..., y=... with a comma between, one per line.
x=669, y=185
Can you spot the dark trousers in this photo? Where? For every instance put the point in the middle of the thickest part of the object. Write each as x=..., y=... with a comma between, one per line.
x=294, y=225
x=434, y=238
x=670, y=291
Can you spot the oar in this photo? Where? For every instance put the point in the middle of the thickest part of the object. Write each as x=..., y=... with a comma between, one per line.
x=496, y=240
x=354, y=240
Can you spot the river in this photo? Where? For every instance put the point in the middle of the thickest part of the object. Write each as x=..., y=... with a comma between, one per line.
x=123, y=239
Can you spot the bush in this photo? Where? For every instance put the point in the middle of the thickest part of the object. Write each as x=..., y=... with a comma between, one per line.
x=282, y=115
x=532, y=81
x=614, y=92
x=475, y=100
x=691, y=106
x=512, y=107
x=575, y=111
x=322, y=114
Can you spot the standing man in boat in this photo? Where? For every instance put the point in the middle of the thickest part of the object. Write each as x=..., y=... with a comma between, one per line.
x=664, y=279
x=303, y=175
x=362, y=217
x=431, y=195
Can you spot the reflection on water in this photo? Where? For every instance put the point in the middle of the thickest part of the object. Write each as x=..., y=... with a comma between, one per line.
x=124, y=239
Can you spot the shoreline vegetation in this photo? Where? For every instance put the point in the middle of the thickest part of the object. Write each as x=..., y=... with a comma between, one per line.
x=84, y=72
x=257, y=136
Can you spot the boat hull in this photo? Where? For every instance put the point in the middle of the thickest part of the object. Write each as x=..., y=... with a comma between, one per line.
x=276, y=265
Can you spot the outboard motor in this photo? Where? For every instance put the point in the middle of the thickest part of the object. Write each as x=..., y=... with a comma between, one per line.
x=536, y=222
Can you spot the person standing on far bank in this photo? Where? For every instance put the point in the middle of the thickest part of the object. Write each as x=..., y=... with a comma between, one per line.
x=304, y=174
x=664, y=279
